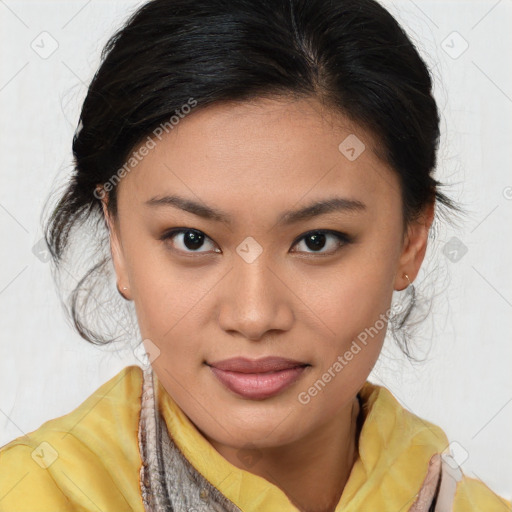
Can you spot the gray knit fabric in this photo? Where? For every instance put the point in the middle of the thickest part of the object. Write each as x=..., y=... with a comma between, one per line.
x=169, y=483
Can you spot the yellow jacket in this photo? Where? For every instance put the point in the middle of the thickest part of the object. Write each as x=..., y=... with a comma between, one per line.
x=89, y=460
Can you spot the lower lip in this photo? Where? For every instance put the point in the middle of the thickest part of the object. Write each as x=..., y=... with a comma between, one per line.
x=258, y=386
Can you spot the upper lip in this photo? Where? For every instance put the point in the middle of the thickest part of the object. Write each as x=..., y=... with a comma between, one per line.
x=265, y=364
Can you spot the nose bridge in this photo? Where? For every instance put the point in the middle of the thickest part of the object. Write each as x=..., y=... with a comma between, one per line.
x=256, y=300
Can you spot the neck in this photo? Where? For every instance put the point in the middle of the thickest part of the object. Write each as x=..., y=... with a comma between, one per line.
x=312, y=471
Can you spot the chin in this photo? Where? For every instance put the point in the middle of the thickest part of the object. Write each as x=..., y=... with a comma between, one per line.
x=241, y=433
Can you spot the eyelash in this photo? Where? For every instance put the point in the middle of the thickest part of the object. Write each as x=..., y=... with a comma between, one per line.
x=343, y=239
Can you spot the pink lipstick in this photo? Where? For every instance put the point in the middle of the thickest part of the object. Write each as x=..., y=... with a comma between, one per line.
x=257, y=379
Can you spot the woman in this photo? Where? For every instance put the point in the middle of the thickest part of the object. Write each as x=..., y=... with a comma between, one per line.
x=264, y=174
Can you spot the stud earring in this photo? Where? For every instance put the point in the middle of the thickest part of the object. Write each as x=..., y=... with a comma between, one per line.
x=121, y=293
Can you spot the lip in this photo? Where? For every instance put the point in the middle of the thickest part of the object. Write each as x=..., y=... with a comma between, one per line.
x=257, y=379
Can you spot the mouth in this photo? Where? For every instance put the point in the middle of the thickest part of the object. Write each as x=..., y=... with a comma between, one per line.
x=257, y=379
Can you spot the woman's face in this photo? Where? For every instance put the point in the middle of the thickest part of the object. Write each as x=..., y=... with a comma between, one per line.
x=249, y=281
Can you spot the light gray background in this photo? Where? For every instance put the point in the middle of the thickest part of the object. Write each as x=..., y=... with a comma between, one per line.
x=465, y=385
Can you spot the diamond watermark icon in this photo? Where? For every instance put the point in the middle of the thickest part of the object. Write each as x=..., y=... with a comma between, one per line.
x=351, y=147
x=454, y=249
x=249, y=455
x=45, y=45
x=455, y=455
x=44, y=455
x=249, y=249
x=146, y=352
x=41, y=251
x=454, y=45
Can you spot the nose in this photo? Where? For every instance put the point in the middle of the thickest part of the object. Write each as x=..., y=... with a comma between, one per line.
x=255, y=300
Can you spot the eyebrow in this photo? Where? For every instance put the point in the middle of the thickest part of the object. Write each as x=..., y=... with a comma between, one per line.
x=322, y=207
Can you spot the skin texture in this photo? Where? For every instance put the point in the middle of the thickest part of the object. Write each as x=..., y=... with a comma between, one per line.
x=254, y=161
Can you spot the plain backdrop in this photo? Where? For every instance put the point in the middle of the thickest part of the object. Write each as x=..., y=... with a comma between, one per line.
x=48, y=53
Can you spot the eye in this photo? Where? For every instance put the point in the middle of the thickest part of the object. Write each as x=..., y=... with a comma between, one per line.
x=187, y=240
x=317, y=240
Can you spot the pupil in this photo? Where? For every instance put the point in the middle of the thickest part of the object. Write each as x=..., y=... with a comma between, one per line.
x=193, y=240
x=318, y=241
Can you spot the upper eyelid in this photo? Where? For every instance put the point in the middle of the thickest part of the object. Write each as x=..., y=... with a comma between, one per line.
x=339, y=234
x=170, y=233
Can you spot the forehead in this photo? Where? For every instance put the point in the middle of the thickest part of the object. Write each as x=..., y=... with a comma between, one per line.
x=263, y=153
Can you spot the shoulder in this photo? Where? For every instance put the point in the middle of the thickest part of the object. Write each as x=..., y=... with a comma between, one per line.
x=447, y=488
x=473, y=495
x=422, y=453
x=87, y=458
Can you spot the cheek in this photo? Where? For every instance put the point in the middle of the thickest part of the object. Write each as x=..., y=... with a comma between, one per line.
x=350, y=299
x=354, y=308
x=170, y=306
x=356, y=311
x=167, y=314
x=162, y=291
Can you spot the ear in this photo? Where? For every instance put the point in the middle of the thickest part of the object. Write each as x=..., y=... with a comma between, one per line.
x=116, y=251
x=414, y=248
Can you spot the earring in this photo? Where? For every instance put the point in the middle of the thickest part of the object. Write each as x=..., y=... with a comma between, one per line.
x=121, y=293
x=407, y=277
